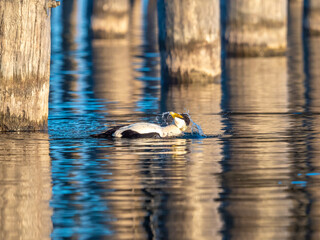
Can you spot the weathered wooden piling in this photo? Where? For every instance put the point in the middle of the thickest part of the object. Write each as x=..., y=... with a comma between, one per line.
x=189, y=40
x=24, y=64
x=110, y=18
x=312, y=18
x=256, y=27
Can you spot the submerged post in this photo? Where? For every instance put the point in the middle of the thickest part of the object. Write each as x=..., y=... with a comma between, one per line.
x=312, y=20
x=256, y=27
x=24, y=64
x=110, y=18
x=189, y=40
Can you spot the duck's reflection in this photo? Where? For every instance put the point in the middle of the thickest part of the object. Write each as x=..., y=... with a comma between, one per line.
x=25, y=179
x=139, y=174
x=162, y=189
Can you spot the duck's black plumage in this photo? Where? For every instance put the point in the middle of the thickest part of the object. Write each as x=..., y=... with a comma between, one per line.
x=107, y=134
x=134, y=134
x=186, y=118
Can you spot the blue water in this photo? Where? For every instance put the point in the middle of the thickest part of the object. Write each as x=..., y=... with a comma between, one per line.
x=254, y=175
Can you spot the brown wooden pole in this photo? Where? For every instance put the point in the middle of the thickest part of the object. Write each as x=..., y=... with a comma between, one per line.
x=312, y=20
x=189, y=40
x=256, y=27
x=24, y=64
x=110, y=18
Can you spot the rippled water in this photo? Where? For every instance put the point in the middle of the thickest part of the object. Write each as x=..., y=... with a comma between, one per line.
x=255, y=176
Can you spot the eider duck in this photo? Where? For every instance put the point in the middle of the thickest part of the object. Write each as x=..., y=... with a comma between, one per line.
x=179, y=124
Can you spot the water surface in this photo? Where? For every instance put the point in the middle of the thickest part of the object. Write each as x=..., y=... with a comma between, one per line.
x=256, y=175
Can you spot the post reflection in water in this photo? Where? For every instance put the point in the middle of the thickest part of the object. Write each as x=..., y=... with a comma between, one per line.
x=70, y=82
x=256, y=85
x=296, y=86
x=69, y=35
x=193, y=212
x=298, y=131
x=111, y=61
x=256, y=156
x=313, y=141
x=255, y=175
x=25, y=192
x=123, y=71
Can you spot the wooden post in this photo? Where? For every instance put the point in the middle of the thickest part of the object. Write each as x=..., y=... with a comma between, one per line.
x=312, y=20
x=189, y=40
x=256, y=27
x=110, y=18
x=24, y=64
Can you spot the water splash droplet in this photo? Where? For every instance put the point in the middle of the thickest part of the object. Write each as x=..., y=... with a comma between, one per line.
x=196, y=130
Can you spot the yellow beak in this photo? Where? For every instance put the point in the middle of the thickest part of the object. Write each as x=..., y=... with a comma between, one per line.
x=174, y=115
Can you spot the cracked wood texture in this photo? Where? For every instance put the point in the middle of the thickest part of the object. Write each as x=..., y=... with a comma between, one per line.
x=189, y=40
x=24, y=64
x=256, y=27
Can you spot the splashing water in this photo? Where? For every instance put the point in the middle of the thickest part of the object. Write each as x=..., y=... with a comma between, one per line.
x=196, y=130
x=164, y=119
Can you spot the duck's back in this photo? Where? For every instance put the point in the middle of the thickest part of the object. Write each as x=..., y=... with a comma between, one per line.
x=139, y=130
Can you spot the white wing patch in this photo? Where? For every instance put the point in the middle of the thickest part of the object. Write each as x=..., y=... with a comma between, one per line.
x=140, y=128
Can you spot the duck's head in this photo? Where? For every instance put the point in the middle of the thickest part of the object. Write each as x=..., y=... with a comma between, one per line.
x=182, y=121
